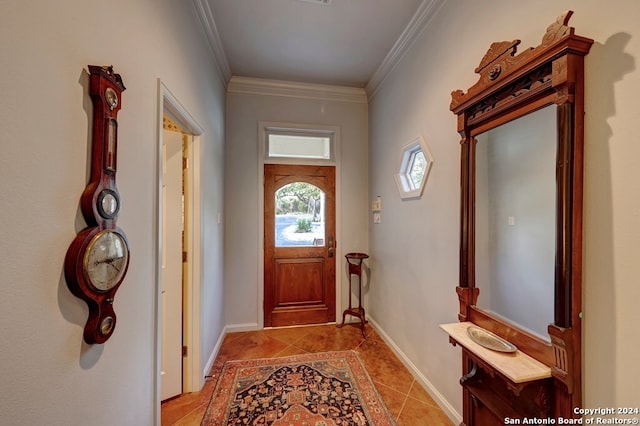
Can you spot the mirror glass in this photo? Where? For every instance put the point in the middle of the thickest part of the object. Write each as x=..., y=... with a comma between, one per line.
x=515, y=220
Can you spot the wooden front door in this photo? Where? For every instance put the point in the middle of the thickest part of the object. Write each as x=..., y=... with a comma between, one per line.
x=299, y=245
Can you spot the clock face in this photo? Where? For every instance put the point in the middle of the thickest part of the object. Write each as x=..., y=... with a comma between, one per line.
x=108, y=203
x=106, y=260
x=106, y=326
x=111, y=97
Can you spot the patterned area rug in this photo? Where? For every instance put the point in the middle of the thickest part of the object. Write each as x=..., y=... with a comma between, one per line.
x=322, y=389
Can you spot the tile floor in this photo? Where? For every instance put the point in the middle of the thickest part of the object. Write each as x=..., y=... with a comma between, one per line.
x=405, y=398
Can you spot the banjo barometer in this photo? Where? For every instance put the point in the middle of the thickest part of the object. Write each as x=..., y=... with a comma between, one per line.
x=98, y=258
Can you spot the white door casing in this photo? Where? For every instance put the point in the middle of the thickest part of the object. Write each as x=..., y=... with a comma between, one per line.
x=192, y=377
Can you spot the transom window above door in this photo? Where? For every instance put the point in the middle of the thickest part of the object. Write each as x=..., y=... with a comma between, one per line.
x=298, y=144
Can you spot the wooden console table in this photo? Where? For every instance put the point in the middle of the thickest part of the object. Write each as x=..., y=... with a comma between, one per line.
x=498, y=385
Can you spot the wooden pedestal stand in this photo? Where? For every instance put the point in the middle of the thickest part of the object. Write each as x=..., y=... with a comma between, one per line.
x=355, y=268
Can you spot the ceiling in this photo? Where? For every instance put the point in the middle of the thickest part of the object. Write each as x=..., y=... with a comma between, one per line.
x=345, y=42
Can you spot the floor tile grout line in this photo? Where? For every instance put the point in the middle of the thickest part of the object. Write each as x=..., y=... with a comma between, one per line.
x=404, y=403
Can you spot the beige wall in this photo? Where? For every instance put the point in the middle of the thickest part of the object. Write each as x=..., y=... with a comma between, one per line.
x=414, y=250
x=49, y=376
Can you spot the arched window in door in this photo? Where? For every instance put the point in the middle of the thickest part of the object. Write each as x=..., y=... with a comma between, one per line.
x=299, y=215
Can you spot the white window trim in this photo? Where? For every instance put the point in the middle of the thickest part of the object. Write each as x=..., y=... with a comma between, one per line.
x=403, y=180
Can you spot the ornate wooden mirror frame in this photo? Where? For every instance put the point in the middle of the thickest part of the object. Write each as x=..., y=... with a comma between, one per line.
x=511, y=86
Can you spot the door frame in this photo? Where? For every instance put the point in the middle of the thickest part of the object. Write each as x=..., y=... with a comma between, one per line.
x=192, y=380
x=264, y=127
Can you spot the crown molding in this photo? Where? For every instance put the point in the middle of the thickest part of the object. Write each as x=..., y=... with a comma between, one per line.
x=203, y=12
x=418, y=23
x=259, y=86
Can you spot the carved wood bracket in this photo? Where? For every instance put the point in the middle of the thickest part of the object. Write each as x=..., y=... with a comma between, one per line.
x=535, y=392
x=564, y=351
x=501, y=60
x=467, y=296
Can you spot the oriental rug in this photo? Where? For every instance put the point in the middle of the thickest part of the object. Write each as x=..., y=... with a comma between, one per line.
x=321, y=389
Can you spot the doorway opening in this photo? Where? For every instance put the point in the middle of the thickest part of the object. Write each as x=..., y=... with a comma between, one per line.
x=178, y=252
x=174, y=281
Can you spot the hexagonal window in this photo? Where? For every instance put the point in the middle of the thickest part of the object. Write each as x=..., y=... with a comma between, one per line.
x=414, y=169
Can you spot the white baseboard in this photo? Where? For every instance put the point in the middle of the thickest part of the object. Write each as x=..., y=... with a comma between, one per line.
x=214, y=354
x=448, y=409
x=234, y=328
x=226, y=330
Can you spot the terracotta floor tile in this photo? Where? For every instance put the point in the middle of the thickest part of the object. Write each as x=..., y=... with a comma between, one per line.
x=403, y=396
x=183, y=402
x=419, y=393
x=291, y=350
x=251, y=346
x=384, y=366
x=416, y=413
x=353, y=326
x=372, y=333
x=193, y=418
x=230, y=336
x=174, y=409
x=287, y=335
x=393, y=399
x=329, y=338
x=207, y=389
